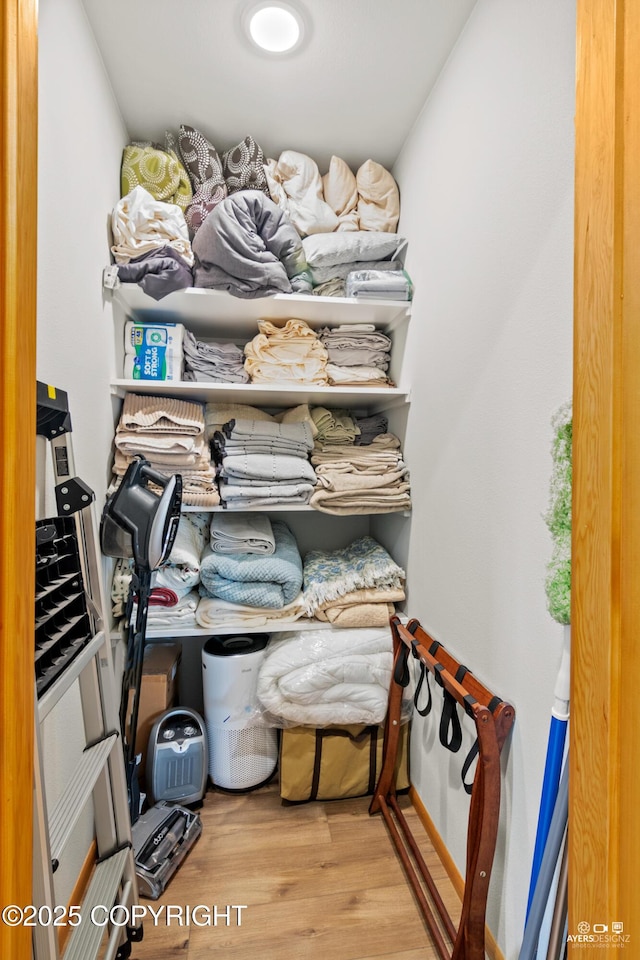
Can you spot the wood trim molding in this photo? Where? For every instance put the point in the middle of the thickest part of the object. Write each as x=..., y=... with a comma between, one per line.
x=79, y=890
x=18, y=234
x=604, y=828
x=456, y=878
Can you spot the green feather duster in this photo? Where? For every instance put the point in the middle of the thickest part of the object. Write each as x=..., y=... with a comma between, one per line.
x=558, y=517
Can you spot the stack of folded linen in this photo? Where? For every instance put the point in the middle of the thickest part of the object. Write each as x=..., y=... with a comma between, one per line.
x=379, y=285
x=356, y=586
x=213, y=362
x=181, y=571
x=290, y=354
x=177, y=617
x=166, y=608
x=169, y=433
x=213, y=613
x=264, y=463
x=174, y=599
x=331, y=257
x=334, y=426
x=358, y=354
x=242, y=533
x=216, y=414
x=370, y=478
x=370, y=428
x=269, y=582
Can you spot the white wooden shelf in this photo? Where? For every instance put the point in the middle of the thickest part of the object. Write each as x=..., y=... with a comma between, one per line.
x=271, y=626
x=372, y=399
x=287, y=508
x=215, y=315
x=233, y=317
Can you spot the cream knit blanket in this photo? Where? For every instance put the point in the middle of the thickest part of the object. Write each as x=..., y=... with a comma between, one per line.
x=160, y=415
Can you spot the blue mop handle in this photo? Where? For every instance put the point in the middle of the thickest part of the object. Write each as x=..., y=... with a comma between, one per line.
x=553, y=762
x=552, y=769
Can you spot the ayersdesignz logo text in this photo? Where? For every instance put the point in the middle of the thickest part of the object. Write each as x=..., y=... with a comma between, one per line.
x=597, y=934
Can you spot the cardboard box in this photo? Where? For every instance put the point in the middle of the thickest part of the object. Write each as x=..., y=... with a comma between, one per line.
x=158, y=691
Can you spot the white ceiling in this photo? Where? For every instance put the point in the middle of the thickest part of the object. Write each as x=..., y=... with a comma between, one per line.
x=354, y=89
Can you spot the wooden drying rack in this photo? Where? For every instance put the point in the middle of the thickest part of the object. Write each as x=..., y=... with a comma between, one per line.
x=493, y=719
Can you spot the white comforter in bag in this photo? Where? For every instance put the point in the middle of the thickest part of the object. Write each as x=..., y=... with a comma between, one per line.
x=321, y=677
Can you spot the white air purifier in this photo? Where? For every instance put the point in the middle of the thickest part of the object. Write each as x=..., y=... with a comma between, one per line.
x=242, y=752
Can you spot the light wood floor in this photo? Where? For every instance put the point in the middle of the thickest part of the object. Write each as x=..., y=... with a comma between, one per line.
x=319, y=881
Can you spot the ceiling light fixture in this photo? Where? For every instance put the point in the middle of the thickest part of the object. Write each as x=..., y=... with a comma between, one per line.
x=274, y=27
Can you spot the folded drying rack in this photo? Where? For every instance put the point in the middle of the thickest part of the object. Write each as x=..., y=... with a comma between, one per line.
x=493, y=719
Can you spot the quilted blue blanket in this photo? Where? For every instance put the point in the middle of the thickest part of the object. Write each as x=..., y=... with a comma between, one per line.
x=256, y=581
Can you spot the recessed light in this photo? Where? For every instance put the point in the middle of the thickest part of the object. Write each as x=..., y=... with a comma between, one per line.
x=274, y=27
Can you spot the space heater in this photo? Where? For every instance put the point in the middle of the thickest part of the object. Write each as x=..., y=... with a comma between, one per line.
x=177, y=757
x=242, y=753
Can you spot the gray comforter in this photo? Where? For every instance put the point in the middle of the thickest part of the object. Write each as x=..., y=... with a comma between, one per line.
x=247, y=247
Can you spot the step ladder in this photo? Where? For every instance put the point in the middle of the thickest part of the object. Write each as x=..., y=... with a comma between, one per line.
x=74, y=646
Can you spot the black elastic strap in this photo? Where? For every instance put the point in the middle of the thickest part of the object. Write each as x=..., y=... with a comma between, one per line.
x=450, y=729
x=473, y=752
x=424, y=674
x=401, y=672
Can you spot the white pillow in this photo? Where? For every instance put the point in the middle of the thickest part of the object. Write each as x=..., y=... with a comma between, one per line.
x=341, y=193
x=327, y=249
x=378, y=198
x=296, y=186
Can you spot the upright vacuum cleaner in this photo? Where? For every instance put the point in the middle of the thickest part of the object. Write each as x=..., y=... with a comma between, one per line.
x=140, y=524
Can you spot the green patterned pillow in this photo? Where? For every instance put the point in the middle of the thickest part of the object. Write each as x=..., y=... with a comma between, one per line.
x=146, y=164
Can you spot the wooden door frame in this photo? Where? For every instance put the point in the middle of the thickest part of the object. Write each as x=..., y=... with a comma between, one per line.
x=604, y=831
x=18, y=242
x=605, y=726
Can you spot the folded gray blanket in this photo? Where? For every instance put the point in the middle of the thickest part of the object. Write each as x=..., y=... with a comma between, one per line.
x=298, y=433
x=354, y=348
x=247, y=247
x=265, y=437
x=268, y=467
x=268, y=581
x=220, y=362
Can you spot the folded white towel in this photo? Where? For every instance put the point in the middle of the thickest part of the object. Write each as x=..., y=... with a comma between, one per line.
x=213, y=612
x=242, y=533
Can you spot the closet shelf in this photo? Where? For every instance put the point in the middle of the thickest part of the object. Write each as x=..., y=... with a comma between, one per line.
x=271, y=626
x=373, y=399
x=287, y=508
x=213, y=312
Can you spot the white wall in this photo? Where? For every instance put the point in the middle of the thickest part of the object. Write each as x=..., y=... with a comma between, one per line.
x=486, y=180
x=81, y=136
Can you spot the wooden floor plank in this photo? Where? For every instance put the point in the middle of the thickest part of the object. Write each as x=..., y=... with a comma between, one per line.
x=318, y=880
x=341, y=926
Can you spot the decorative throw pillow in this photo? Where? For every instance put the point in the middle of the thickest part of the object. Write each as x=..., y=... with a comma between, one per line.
x=243, y=167
x=146, y=164
x=296, y=186
x=341, y=193
x=204, y=167
x=378, y=198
